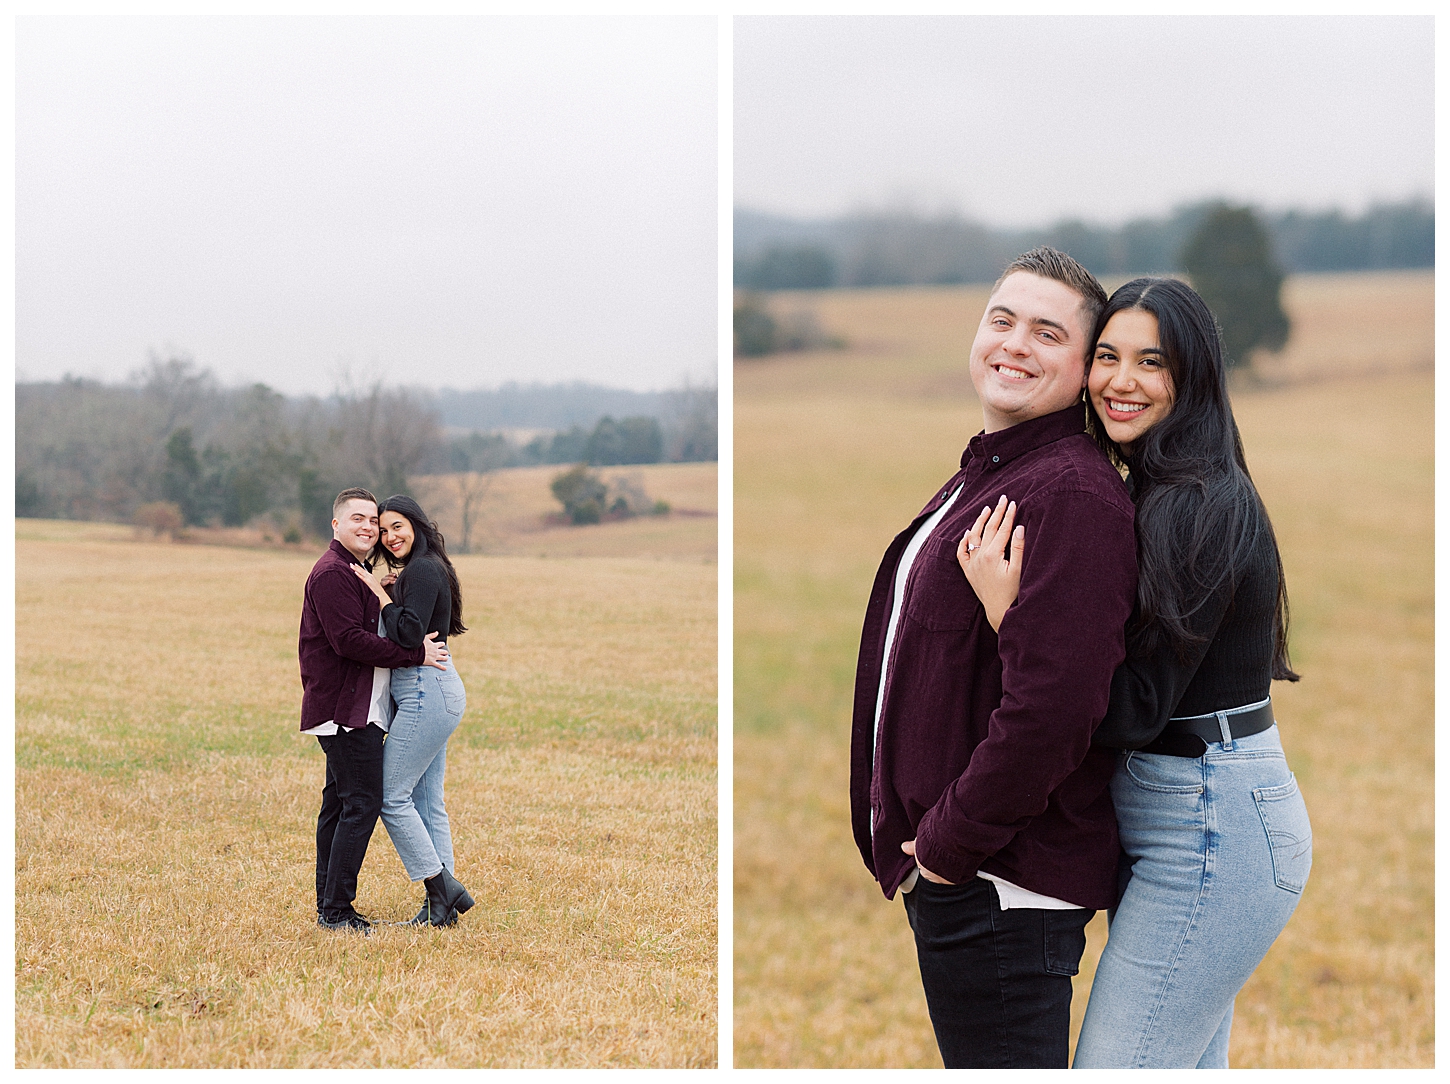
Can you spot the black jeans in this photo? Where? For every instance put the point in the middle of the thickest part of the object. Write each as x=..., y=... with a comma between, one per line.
x=352, y=798
x=998, y=983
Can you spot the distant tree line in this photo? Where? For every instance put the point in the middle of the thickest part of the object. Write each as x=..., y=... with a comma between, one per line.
x=541, y=406
x=226, y=456
x=774, y=253
x=1228, y=257
x=687, y=433
x=87, y=450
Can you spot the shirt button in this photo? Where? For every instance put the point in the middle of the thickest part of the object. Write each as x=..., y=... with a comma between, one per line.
x=996, y=459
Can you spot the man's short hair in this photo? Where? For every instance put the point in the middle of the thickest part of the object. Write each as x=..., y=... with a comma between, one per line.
x=1060, y=267
x=356, y=493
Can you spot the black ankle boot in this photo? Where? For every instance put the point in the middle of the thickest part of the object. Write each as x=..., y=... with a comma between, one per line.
x=458, y=897
x=446, y=898
x=435, y=910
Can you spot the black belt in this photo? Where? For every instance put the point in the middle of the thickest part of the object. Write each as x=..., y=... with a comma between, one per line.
x=1191, y=736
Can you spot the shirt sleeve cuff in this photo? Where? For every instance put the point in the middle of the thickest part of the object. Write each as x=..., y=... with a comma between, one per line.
x=940, y=857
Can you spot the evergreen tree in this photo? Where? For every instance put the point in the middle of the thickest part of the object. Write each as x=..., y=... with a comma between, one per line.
x=1231, y=264
x=182, y=475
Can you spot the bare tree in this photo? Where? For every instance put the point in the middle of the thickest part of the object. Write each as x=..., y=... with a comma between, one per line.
x=383, y=434
x=473, y=489
x=475, y=461
x=399, y=431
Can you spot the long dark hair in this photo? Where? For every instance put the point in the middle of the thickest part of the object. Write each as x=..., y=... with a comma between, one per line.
x=1199, y=517
x=427, y=545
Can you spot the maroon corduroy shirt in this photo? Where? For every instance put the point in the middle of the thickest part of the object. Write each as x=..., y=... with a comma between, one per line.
x=984, y=753
x=338, y=644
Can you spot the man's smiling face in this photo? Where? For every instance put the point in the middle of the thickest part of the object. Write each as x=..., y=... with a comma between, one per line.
x=356, y=527
x=1030, y=354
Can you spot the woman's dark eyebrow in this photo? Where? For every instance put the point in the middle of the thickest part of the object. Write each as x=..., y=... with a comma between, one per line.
x=1105, y=345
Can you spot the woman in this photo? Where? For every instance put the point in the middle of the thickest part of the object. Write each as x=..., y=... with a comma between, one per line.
x=425, y=598
x=1214, y=832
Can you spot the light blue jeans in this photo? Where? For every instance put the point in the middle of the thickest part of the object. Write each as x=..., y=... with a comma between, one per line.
x=1220, y=850
x=430, y=707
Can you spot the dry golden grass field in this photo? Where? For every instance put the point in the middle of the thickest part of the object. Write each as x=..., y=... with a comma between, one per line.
x=166, y=808
x=834, y=453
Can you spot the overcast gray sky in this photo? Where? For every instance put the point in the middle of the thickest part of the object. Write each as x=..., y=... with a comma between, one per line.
x=1023, y=121
x=436, y=200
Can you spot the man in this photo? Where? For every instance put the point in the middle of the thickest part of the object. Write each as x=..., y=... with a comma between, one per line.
x=975, y=789
x=345, y=701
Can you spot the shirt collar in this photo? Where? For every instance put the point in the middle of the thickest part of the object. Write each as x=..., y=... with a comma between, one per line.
x=338, y=548
x=996, y=450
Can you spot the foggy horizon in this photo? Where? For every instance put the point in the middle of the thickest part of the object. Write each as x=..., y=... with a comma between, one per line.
x=341, y=387
x=924, y=211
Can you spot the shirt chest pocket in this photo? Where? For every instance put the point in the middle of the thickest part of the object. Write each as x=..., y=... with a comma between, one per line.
x=938, y=596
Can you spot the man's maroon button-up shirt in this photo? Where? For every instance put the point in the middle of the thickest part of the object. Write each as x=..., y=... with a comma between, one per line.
x=984, y=751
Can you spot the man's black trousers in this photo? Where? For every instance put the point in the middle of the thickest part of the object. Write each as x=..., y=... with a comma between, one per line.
x=352, y=798
x=998, y=983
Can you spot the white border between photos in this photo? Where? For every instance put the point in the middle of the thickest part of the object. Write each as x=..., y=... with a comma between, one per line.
x=725, y=687
x=1442, y=522
x=725, y=564
x=7, y=495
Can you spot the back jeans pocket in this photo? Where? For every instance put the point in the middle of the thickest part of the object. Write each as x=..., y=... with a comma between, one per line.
x=1291, y=842
x=1064, y=939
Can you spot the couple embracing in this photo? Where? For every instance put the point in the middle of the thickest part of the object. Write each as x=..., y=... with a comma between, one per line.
x=1062, y=697
x=380, y=694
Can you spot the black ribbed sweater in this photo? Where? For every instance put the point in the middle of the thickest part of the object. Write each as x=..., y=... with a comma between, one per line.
x=1233, y=668
x=422, y=601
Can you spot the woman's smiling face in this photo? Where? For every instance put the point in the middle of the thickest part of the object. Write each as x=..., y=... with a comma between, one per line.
x=397, y=534
x=1129, y=383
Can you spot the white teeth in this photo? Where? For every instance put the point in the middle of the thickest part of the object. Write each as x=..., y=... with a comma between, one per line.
x=1012, y=374
x=1126, y=408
